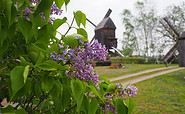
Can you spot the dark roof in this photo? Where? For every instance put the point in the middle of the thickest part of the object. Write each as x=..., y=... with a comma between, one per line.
x=106, y=23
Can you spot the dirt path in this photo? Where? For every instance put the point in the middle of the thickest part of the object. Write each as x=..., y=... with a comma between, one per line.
x=138, y=73
x=138, y=79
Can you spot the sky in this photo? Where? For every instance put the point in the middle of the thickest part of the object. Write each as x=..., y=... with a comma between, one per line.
x=95, y=10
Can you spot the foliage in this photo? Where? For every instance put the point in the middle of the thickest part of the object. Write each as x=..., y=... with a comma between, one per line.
x=40, y=73
x=130, y=41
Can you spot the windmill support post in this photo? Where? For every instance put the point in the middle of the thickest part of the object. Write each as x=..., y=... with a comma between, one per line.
x=182, y=50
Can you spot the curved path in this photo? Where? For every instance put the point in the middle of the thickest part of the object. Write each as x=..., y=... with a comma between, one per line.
x=138, y=79
x=138, y=73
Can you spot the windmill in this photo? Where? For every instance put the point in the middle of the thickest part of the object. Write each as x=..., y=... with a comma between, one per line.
x=173, y=52
x=105, y=33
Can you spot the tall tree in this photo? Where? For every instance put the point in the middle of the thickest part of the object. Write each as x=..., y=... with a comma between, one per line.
x=130, y=41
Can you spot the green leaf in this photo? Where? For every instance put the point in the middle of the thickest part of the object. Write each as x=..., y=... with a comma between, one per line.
x=121, y=108
x=58, y=22
x=83, y=21
x=59, y=3
x=56, y=91
x=8, y=4
x=3, y=35
x=24, y=62
x=78, y=17
x=47, y=83
x=82, y=32
x=13, y=15
x=4, y=47
x=25, y=74
x=130, y=104
x=95, y=91
x=85, y=104
x=37, y=21
x=44, y=33
x=35, y=55
x=38, y=89
x=66, y=2
x=17, y=79
x=51, y=65
x=78, y=91
x=25, y=27
x=93, y=106
x=47, y=14
x=71, y=40
x=7, y=110
x=2, y=4
x=66, y=96
x=111, y=87
x=20, y=111
x=43, y=6
x=20, y=3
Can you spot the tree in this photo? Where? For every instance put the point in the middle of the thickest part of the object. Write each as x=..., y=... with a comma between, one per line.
x=130, y=41
x=42, y=74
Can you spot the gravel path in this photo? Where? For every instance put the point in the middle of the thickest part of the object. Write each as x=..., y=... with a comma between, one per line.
x=138, y=79
x=138, y=73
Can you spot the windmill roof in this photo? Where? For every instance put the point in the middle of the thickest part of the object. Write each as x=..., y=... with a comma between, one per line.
x=106, y=23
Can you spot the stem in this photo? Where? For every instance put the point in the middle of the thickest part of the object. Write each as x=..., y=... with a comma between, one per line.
x=3, y=68
x=31, y=97
x=4, y=86
x=48, y=110
x=70, y=109
x=41, y=100
x=66, y=31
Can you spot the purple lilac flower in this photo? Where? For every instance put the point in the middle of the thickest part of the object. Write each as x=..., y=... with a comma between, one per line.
x=60, y=46
x=55, y=10
x=77, y=37
x=81, y=60
x=53, y=54
x=130, y=90
x=34, y=1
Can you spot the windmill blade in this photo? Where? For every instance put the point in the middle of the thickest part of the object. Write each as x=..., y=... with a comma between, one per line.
x=108, y=13
x=172, y=27
x=91, y=22
x=169, y=30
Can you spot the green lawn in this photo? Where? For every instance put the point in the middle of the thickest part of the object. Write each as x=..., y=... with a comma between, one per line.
x=162, y=94
x=105, y=71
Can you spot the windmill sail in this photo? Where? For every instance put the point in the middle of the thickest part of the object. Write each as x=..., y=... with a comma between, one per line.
x=172, y=53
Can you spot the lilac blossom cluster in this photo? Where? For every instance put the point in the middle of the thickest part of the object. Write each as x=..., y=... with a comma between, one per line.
x=130, y=90
x=109, y=104
x=80, y=59
x=54, y=11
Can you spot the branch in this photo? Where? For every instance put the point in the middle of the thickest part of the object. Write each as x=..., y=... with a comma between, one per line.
x=48, y=110
x=3, y=68
x=70, y=109
x=41, y=100
x=31, y=97
x=66, y=31
x=4, y=86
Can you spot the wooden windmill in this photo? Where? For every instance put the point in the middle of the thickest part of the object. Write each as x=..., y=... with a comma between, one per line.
x=105, y=32
x=173, y=52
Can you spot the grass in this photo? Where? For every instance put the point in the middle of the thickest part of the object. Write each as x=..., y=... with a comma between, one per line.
x=105, y=71
x=163, y=94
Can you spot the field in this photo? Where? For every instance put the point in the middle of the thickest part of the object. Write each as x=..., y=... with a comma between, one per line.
x=162, y=94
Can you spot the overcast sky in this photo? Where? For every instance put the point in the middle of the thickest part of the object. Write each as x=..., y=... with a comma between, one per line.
x=95, y=10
